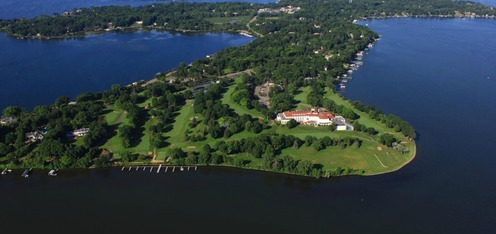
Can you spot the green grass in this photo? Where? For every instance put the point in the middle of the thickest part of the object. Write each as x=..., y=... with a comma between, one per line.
x=371, y=157
x=228, y=70
x=302, y=131
x=113, y=114
x=301, y=98
x=114, y=144
x=241, y=110
x=362, y=158
x=181, y=124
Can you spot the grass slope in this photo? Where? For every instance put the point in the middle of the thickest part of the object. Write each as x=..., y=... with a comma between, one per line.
x=241, y=110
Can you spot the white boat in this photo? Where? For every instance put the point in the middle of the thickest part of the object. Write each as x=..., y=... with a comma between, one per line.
x=26, y=172
x=5, y=171
x=52, y=172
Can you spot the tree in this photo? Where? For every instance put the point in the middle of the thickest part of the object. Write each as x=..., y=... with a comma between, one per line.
x=128, y=156
x=126, y=135
x=372, y=131
x=62, y=101
x=309, y=140
x=182, y=71
x=177, y=153
x=204, y=157
x=103, y=161
x=292, y=123
x=217, y=158
x=387, y=139
x=304, y=167
x=14, y=111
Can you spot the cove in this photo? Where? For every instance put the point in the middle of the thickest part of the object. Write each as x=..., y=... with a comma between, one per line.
x=37, y=72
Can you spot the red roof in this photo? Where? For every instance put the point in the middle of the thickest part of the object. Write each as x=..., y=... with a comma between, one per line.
x=321, y=115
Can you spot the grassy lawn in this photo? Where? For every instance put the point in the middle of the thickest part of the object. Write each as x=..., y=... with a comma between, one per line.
x=113, y=114
x=241, y=110
x=301, y=98
x=181, y=124
x=365, y=158
x=302, y=131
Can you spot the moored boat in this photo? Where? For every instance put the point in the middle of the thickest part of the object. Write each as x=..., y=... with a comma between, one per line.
x=52, y=172
x=26, y=172
x=5, y=171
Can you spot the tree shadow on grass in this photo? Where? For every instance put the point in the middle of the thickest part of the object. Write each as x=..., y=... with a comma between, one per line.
x=139, y=131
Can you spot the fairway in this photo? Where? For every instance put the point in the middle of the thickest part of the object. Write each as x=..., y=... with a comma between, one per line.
x=239, y=109
x=369, y=159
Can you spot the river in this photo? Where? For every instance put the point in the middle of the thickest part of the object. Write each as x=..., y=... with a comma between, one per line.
x=440, y=75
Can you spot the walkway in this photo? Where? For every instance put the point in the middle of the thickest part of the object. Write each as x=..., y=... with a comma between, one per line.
x=250, y=29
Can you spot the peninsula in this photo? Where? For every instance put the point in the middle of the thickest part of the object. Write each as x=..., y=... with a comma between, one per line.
x=269, y=105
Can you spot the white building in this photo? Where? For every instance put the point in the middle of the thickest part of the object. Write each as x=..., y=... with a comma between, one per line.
x=315, y=118
x=81, y=132
x=312, y=117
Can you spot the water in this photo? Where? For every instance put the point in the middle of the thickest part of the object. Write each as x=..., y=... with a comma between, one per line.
x=30, y=8
x=487, y=2
x=431, y=72
x=35, y=72
x=438, y=74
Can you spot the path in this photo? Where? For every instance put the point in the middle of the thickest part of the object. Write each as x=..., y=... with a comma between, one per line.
x=119, y=119
x=236, y=74
x=250, y=29
x=380, y=161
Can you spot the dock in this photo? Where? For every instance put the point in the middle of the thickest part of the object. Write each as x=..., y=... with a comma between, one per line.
x=160, y=167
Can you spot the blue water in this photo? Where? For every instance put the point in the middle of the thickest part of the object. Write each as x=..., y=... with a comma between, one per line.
x=440, y=75
x=31, y=8
x=35, y=72
x=487, y=2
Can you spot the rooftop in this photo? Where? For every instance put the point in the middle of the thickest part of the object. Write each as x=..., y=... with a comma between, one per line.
x=319, y=114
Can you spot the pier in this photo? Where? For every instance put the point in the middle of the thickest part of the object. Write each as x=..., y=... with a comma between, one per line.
x=168, y=169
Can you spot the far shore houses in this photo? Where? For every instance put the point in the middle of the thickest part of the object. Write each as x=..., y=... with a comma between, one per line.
x=81, y=132
x=315, y=118
x=36, y=135
x=8, y=120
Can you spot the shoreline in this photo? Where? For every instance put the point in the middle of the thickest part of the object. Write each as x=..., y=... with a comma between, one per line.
x=85, y=34
x=412, y=157
x=134, y=29
x=401, y=166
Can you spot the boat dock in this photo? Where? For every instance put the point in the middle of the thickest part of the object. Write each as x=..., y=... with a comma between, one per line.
x=158, y=169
